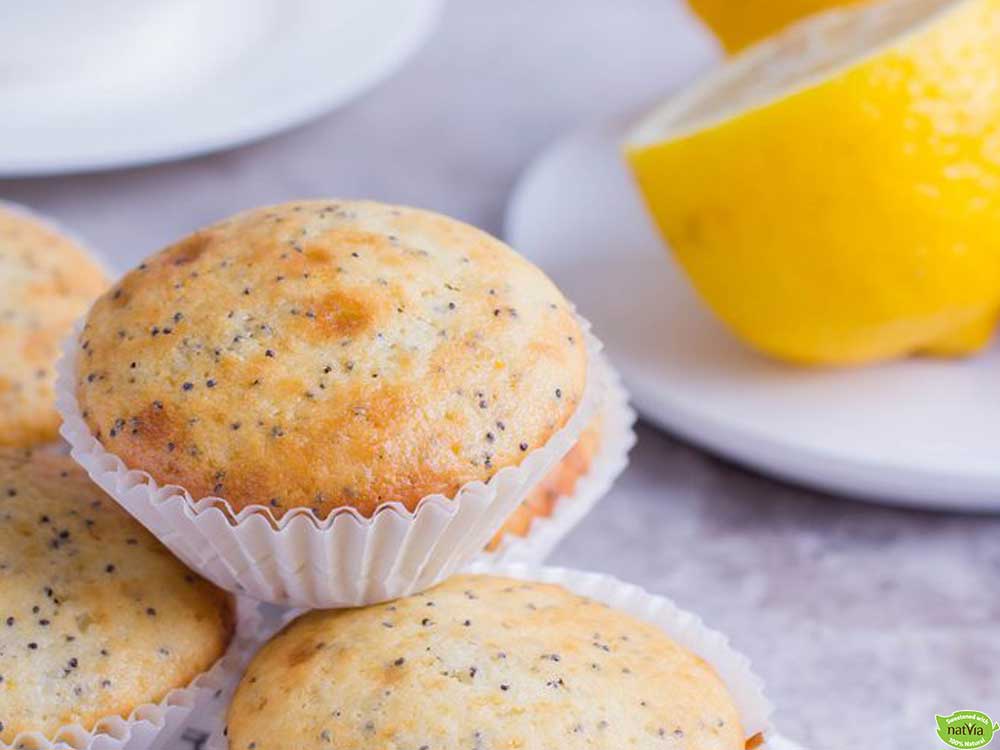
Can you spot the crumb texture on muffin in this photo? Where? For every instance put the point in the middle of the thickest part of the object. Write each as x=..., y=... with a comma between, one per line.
x=560, y=482
x=96, y=616
x=46, y=282
x=480, y=662
x=330, y=354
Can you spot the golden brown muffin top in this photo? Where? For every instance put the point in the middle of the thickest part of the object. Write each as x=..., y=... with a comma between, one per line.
x=480, y=662
x=96, y=616
x=330, y=354
x=46, y=282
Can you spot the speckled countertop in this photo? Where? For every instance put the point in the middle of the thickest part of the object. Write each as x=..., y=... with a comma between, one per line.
x=864, y=621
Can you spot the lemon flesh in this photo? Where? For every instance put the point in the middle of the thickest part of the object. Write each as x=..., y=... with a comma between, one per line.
x=739, y=23
x=834, y=193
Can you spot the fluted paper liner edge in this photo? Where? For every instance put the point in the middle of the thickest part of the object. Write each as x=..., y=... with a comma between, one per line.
x=301, y=560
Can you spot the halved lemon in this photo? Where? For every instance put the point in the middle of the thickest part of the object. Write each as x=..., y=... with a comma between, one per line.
x=739, y=23
x=834, y=193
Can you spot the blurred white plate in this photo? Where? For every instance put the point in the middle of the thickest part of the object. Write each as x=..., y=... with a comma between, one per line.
x=915, y=432
x=185, y=77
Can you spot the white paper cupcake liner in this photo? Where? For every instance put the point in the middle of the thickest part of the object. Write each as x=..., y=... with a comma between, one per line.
x=156, y=725
x=687, y=629
x=343, y=560
x=205, y=728
x=617, y=439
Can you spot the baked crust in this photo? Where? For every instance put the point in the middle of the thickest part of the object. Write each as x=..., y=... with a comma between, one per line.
x=330, y=354
x=480, y=661
x=46, y=282
x=96, y=616
x=560, y=482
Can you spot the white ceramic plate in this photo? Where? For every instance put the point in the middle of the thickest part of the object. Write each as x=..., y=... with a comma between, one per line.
x=915, y=432
x=198, y=77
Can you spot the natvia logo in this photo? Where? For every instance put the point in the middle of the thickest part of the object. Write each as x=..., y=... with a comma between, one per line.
x=966, y=729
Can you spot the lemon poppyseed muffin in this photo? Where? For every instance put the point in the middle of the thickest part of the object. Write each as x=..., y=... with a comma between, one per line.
x=480, y=662
x=96, y=617
x=560, y=482
x=329, y=354
x=46, y=282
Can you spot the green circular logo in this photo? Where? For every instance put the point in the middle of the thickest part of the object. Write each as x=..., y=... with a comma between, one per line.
x=966, y=729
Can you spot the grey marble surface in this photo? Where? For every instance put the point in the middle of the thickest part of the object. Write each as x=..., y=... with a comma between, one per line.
x=864, y=621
